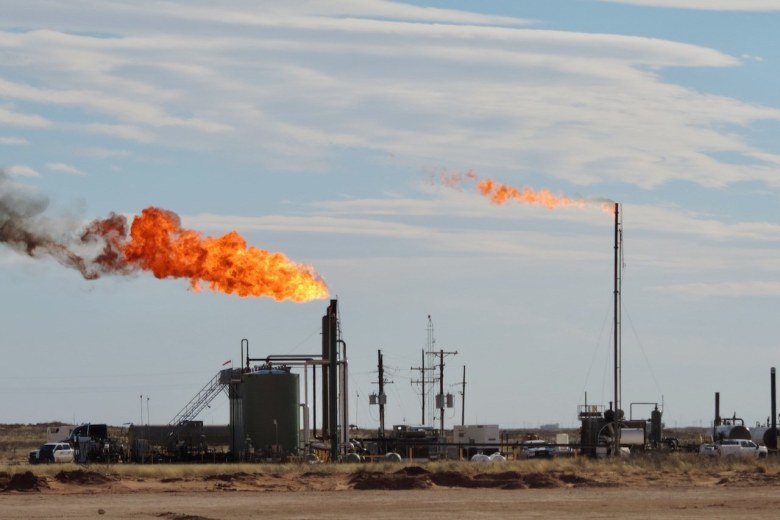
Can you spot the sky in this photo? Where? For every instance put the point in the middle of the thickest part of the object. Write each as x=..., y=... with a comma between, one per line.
x=323, y=130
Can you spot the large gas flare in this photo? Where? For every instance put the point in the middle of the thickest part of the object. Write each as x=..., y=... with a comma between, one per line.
x=159, y=244
x=155, y=242
x=499, y=193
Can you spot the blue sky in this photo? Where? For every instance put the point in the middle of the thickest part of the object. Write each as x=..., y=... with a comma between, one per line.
x=320, y=129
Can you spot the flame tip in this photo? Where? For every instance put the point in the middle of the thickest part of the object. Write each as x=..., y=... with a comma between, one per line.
x=499, y=193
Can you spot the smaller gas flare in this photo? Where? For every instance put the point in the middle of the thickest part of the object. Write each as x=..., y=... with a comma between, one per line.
x=499, y=193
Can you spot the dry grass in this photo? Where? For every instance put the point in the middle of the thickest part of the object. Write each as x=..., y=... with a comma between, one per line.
x=638, y=467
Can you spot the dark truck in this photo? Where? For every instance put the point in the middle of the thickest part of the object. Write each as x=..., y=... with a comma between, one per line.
x=92, y=443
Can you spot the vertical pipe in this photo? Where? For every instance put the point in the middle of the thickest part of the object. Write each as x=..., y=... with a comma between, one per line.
x=773, y=435
x=716, y=422
x=305, y=410
x=306, y=406
x=344, y=396
x=325, y=374
x=241, y=362
x=314, y=398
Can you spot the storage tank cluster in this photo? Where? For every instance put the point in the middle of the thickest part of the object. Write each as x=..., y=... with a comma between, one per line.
x=734, y=427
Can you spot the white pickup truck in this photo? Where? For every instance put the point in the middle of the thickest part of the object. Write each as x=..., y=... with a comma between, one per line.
x=52, y=452
x=736, y=448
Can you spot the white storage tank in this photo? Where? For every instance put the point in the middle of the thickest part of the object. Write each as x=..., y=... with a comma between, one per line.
x=762, y=435
x=632, y=437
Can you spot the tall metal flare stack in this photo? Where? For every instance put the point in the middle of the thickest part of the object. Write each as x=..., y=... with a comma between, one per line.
x=330, y=377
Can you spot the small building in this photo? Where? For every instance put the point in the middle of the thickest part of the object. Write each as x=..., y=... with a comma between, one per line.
x=471, y=439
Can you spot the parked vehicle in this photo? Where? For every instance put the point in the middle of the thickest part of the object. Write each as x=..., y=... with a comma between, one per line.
x=737, y=448
x=92, y=444
x=54, y=452
x=537, y=448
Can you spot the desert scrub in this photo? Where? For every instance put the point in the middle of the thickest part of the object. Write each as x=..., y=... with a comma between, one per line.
x=655, y=465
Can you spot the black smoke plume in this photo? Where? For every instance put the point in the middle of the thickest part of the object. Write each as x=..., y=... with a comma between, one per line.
x=92, y=250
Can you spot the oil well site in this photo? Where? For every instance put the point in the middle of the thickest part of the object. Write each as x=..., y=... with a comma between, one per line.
x=292, y=407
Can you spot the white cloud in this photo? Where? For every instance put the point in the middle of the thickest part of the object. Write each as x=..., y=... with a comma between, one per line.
x=733, y=289
x=707, y=5
x=101, y=153
x=65, y=168
x=123, y=109
x=286, y=86
x=13, y=140
x=129, y=132
x=21, y=170
x=117, y=16
x=8, y=117
x=673, y=221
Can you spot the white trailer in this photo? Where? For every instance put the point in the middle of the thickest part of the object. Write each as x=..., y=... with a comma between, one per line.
x=476, y=434
x=58, y=433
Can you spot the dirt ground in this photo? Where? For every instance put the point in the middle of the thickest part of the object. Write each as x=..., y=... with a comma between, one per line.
x=630, y=503
x=404, y=493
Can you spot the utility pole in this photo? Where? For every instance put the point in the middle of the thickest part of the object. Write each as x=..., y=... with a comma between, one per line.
x=463, y=398
x=380, y=399
x=423, y=383
x=381, y=368
x=441, y=400
x=441, y=392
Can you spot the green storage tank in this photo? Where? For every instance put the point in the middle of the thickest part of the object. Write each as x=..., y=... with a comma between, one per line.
x=270, y=399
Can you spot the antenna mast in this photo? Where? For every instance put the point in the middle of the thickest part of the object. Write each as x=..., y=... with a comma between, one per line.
x=430, y=355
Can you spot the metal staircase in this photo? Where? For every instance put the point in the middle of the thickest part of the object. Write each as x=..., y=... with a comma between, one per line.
x=201, y=400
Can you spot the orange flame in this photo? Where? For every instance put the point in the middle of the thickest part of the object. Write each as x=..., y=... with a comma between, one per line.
x=500, y=193
x=159, y=244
